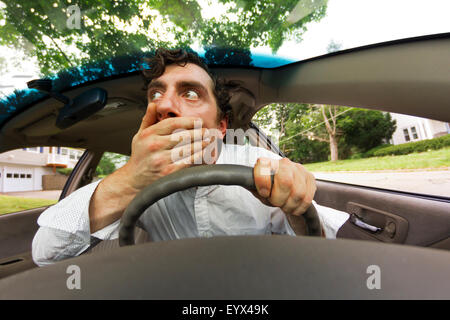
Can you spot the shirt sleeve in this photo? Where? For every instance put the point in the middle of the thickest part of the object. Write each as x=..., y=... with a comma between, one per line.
x=64, y=228
x=331, y=219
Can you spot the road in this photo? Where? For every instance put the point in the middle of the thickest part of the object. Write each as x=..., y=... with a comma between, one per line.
x=425, y=182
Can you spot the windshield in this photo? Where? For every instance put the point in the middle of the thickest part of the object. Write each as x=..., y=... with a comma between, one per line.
x=97, y=39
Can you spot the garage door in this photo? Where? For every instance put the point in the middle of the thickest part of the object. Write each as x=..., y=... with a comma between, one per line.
x=18, y=179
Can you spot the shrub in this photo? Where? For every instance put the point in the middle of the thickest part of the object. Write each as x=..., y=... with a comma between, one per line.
x=65, y=171
x=371, y=152
x=410, y=147
x=357, y=156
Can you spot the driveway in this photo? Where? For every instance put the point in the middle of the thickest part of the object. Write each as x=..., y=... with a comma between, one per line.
x=47, y=194
x=425, y=182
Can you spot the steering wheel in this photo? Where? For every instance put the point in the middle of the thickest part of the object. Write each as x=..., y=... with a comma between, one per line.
x=239, y=267
x=205, y=175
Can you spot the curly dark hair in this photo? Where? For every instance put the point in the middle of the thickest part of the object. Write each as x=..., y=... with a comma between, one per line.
x=165, y=57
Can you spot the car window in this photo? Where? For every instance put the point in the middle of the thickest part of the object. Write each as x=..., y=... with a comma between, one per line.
x=109, y=163
x=34, y=177
x=363, y=146
x=66, y=40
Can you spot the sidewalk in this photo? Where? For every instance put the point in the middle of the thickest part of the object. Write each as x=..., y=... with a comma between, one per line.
x=425, y=182
x=47, y=194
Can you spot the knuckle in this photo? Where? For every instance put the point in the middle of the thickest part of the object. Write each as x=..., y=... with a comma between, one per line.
x=168, y=170
x=299, y=196
x=308, y=200
x=285, y=181
x=157, y=161
x=313, y=179
x=287, y=209
x=135, y=138
x=298, y=211
x=285, y=161
x=154, y=145
x=171, y=124
x=276, y=201
x=262, y=181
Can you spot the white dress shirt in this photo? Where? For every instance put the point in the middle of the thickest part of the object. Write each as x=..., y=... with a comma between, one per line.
x=196, y=212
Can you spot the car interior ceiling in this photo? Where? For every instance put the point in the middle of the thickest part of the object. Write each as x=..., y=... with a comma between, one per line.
x=390, y=82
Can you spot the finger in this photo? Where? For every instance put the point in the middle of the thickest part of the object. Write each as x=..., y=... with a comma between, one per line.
x=183, y=163
x=154, y=143
x=168, y=126
x=185, y=152
x=149, y=118
x=184, y=137
x=309, y=196
x=298, y=193
x=262, y=177
x=282, y=184
x=194, y=159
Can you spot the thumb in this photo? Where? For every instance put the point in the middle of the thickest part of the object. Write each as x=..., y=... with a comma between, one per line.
x=149, y=118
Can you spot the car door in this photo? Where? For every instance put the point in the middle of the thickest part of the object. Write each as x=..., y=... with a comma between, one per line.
x=382, y=214
x=390, y=77
x=387, y=215
x=18, y=228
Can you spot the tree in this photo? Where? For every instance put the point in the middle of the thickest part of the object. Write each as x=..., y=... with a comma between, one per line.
x=110, y=162
x=329, y=118
x=105, y=166
x=332, y=129
x=307, y=131
x=48, y=30
x=290, y=121
x=366, y=129
x=334, y=46
x=320, y=122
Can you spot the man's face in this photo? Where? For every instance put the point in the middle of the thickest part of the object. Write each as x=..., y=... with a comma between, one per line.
x=185, y=92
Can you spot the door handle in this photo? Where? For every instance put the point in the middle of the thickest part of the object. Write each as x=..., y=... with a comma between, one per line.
x=382, y=225
x=358, y=222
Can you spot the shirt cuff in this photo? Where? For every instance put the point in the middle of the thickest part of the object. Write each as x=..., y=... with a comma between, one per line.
x=331, y=219
x=71, y=215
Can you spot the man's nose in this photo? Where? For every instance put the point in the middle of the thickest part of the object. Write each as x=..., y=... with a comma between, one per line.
x=167, y=107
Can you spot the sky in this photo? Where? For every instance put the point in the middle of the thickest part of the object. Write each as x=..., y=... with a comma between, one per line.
x=355, y=23
x=350, y=23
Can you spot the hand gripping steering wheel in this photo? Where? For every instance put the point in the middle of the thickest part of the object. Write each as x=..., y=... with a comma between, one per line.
x=204, y=175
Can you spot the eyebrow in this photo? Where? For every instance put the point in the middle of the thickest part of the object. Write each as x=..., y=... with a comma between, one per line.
x=180, y=84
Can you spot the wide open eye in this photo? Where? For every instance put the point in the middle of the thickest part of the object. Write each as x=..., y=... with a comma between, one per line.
x=155, y=95
x=191, y=95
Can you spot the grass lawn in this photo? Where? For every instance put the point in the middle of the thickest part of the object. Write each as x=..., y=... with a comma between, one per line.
x=10, y=204
x=431, y=159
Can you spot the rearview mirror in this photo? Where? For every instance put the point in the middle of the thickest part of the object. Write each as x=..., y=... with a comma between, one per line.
x=81, y=107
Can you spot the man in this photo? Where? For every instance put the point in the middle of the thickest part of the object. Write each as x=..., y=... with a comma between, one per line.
x=181, y=93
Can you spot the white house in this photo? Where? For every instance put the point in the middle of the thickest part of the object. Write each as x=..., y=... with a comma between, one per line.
x=22, y=169
x=410, y=128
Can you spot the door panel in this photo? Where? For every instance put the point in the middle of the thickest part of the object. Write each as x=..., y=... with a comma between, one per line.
x=402, y=217
x=17, y=231
x=16, y=264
